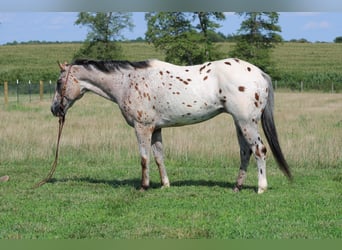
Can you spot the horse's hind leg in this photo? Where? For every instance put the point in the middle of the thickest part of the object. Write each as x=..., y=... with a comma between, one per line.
x=157, y=148
x=252, y=138
x=245, y=155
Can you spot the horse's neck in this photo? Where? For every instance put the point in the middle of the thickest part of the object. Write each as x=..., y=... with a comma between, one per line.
x=108, y=86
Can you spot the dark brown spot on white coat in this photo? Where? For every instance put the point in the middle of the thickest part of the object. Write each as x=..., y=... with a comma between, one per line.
x=264, y=150
x=257, y=152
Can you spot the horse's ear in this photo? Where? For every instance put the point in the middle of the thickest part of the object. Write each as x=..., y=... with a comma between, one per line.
x=61, y=66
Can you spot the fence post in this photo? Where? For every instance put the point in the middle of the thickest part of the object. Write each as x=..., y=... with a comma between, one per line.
x=50, y=88
x=17, y=91
x=6, y=92
x=301, y=86
x=30, y=89
x=41, y=90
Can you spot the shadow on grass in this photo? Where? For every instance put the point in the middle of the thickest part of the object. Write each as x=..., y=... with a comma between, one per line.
x=135, y=182
x=208, y=183
x=114, y=183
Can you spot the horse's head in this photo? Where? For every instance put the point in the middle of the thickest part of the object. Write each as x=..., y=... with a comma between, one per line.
x=68, y=90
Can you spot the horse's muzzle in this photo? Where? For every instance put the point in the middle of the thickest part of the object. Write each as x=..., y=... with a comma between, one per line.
x=57, y=109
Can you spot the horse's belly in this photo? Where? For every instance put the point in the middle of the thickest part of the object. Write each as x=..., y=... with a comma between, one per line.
x=181, y=117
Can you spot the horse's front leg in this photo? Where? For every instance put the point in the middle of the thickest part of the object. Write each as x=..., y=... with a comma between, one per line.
x=144, y=134
x=157, y=148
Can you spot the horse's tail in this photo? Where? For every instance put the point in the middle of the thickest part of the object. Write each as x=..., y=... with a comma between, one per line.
x=270, y=131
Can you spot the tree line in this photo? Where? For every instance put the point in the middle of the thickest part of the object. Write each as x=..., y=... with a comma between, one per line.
x=186, y=38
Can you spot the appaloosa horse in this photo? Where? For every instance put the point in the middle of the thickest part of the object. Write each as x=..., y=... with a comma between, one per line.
x=153, y=95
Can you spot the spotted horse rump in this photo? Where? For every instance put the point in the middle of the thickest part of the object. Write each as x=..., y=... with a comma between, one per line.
x=153, y=95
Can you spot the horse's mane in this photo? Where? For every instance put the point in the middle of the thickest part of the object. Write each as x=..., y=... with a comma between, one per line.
x=111, y=65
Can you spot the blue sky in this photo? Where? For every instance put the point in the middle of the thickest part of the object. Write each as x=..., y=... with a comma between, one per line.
x=59, y=26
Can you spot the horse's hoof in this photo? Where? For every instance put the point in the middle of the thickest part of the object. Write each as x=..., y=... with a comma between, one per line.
x=143, y=188
x=261, y=190
x=237, y=188
x=165, y=186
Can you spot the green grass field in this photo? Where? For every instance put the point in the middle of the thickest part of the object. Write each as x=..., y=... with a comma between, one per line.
x=94, y=193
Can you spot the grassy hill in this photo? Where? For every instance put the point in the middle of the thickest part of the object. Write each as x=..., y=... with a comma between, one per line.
x=317, y=64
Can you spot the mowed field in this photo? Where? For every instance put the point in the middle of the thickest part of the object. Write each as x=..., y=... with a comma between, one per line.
x=94, y=193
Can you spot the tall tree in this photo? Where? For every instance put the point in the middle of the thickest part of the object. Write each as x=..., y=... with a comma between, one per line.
x=207, y=24
x=104, y=30
x=171, y=32
x=176, y=35
x=257, y=35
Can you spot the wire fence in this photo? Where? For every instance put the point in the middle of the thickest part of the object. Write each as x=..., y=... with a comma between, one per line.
x=23, y=92
x=19, y=92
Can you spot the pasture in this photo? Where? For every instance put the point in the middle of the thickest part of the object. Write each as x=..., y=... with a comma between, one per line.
x=94, y=193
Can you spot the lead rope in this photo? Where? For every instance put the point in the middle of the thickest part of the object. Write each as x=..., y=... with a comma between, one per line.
x=54, y=165
x=60, y=128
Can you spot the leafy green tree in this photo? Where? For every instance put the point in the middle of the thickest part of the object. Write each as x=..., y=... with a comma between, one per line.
x=207, y=25
x=104, y=30
x=181, y=41
x=257, y=35
x=172, y=33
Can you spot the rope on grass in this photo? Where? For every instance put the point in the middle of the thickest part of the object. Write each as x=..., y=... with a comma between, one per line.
x=54, y=165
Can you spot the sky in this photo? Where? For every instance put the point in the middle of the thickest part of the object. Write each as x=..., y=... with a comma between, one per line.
x=59, y=26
